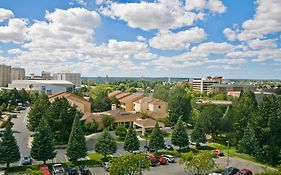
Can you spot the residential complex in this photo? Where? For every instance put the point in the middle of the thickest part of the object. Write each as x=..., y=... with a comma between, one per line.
x=75, y=78
x=5, y=75
x=81, y=104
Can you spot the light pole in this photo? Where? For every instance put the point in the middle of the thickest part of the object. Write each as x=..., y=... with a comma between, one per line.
x=227, y=153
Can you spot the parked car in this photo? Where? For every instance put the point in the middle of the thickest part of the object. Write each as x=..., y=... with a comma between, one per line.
x=169, y=158
x=45, y=170
x=58, y=169
x=3, y=173
x=169, y=146
x=217, y=153
x=153, y=161
x=161, y=160
x=244, y=172
x=135, y=151
x=72, y=170
x=230, y=171
x=84, y=169
x=106, y=165
x=26, y=160
x=148, y=149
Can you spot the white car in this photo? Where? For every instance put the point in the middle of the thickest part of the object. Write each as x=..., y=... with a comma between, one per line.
x=58, y=169
x=169, y=158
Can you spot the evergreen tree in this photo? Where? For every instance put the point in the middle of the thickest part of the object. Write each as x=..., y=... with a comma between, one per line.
x=179, y=105
x=43, y=143
x=39, y=109
x=105, y=143
x=76, y=147
x=157, y=139
x=179, y=135
x=248, y=143
x=62, y=116
x=8, y=147
x=227, y=120
x=244, y=110
x=268, y=129
x=132, y=142
x=198, y=134
x=121, y=132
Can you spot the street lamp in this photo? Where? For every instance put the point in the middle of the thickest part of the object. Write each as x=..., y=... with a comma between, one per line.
x=227, y=153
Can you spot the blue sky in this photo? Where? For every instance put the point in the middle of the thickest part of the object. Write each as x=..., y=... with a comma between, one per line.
x=179, y=38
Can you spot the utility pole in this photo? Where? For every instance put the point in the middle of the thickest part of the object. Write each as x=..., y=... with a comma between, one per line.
x=227, y=152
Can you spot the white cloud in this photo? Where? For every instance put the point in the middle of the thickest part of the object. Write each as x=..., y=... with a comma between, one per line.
x=177, y=41
x=215, y=6
x=230, y=34
x=225, y=67
x=145, y=56
x=262, y=44
x=5, y=14
x=82, y=2
x=15, y=31
x=161, y=14
x=15, y=51
x=213, y=48
x=141, y=38
x=126, y=46
x=267, y=20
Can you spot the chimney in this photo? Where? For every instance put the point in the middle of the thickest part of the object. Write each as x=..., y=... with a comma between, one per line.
x=113, y=106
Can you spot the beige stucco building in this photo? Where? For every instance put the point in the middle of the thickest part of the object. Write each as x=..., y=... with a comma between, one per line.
x=127, y=102
x=81, y=104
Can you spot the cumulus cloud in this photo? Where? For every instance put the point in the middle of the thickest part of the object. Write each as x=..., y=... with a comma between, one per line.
x=215, y=6
x=179, y=40
x=5, y=14
x=262, y=44
x=213, y=48
x=267, y=20
x=161, y=14
x=15, y=31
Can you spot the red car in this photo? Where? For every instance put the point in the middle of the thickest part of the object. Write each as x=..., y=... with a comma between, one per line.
x=153, y=161
x=244, y=172
x=217, y=152
x=44, y=169
x=161, y=160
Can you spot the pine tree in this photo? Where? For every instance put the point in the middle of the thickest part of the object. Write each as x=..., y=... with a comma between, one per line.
x=248, y=143
x=105, y=143
x=76, y=147
x=9, y=148
x=179, y=135
x=131, y=140
x=227, y=120
x=157, y=139
x=268, y=127
x=43, y=143
x=198, y=134
x=39, y=109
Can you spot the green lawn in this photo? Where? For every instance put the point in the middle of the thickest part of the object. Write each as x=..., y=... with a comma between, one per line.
x=95, y=156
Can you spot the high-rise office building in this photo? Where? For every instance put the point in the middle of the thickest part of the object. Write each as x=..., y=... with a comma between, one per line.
x=5, y=75
x=74, y=78
x=204, y=84
x=17, y=73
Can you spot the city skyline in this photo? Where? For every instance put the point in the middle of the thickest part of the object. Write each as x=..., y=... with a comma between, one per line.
x=162, y=38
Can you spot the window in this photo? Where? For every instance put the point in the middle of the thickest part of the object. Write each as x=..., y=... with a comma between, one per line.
x=159, y=107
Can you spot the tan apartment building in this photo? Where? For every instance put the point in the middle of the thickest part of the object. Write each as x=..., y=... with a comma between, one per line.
x=114, y=93
x=5, y=75
x=155, y=108
x=127, y=103
x=81, y=104
x=122, y=95
x=17, y=73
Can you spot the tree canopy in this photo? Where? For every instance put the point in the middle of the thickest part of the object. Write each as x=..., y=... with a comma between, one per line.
x=105, y=143
x=179, y=135
x=156, y=140
x=131, y=140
